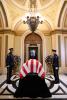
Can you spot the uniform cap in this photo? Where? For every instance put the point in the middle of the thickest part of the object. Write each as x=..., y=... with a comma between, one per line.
x=54, y=50
x=10, y=48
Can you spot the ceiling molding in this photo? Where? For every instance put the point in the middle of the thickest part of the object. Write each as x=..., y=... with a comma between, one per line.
x=4, y=13
x=59, y=31
x=6, y=31
x=61, y=12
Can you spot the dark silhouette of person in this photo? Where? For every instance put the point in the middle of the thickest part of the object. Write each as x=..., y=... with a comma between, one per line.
x=55, y=65
x=9, y=64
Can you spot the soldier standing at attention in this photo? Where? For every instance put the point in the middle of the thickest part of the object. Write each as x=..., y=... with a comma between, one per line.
x=55, y=65
x=9, y=64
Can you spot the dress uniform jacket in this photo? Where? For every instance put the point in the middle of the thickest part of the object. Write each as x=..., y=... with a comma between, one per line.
x=55, y=65
x=55, y=61
x=10, y=65
x=10, y=60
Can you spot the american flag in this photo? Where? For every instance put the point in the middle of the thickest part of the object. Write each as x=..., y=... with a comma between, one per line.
x=32, y=66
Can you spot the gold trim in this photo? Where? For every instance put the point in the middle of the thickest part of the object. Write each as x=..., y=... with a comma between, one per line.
x=4, y=13
x=60, y=31
x=6, y=45
x=7, y=31
x=65, y=49
x=61, y=12
x=1, y=20
x=0, y=49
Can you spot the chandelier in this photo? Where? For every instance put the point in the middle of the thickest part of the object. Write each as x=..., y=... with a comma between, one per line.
x=33, y=18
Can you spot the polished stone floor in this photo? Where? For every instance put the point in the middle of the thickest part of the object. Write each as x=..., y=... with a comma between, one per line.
x=59, y=91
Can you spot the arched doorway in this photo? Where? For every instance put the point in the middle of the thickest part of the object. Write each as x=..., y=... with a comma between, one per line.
x=33, y=43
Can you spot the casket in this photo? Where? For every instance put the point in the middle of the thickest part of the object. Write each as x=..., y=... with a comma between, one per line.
x=32, y=83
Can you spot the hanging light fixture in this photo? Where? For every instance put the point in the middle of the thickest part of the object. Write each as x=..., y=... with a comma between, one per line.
x=32, y=18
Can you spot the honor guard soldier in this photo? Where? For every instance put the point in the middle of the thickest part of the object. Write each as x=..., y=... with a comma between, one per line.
x=9, y=64
x=55, y=65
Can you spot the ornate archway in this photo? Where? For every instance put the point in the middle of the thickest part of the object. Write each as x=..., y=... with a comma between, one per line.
x=33, y=42
x=39, y=33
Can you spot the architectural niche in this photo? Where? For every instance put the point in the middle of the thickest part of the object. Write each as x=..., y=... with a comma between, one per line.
x=33, y=40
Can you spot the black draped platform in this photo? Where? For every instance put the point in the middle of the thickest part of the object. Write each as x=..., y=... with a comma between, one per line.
x=32, y=86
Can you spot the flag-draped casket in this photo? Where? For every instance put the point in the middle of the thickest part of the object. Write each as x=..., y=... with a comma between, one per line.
x=32, y=82
x=32, y=66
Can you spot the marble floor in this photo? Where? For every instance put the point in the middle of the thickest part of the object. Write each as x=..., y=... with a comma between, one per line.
x=59, y=91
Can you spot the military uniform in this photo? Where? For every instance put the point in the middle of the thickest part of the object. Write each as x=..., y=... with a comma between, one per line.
x=55, y=65
x=10, y=65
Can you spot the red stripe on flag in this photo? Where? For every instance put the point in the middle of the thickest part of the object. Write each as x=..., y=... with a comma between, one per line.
x=24, y=70
x=37, y=65
x=20, y=75
x=31, y=65
x=40, y=68
x=43, y=75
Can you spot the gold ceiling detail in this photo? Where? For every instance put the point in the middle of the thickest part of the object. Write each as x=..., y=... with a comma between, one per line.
x=32, y=20
x=25, y=4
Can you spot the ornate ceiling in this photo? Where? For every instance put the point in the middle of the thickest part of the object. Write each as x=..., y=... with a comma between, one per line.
x=39, y=4
x=49, y=9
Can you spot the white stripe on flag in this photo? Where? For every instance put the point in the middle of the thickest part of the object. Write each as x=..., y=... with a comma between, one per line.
x=41, y=72
x=29, y=65
x=39, y=64
x=26, y=68
x=34, y=64
x=22, y=72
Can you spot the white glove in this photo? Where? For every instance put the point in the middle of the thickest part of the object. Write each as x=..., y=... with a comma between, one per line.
x=56, y=68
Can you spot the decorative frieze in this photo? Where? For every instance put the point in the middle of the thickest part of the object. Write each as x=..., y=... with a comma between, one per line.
x=6, y=31
x=59, y=31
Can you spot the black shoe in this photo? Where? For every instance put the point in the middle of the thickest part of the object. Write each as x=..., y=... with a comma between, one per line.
x=9, y=82
x=53, y=82
x=56, y=82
